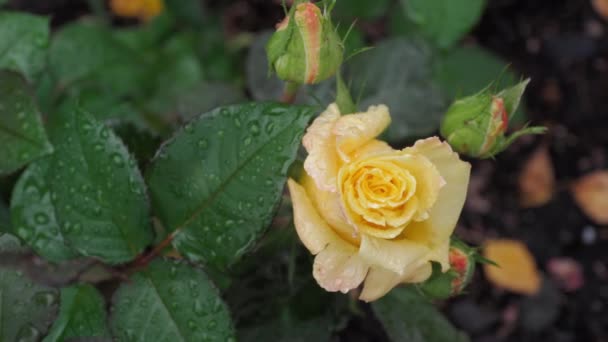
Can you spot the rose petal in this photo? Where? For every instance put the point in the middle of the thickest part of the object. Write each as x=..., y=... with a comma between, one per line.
x=314, y=232
x=380, y=281
x=372, y=148
x=339, y=268
x=428, y=179
x=328, y=205
x=322, y=161
x=355, y=130
x=444, y=214
x=400, y=256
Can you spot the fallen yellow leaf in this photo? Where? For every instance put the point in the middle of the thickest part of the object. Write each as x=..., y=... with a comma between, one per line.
x=601, y=7
x=591, y=194
x=537, y=180
x=516, y=269
x=143, y=9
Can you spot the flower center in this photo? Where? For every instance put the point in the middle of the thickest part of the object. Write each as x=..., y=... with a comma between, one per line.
x=379, y=191
x=381, y=195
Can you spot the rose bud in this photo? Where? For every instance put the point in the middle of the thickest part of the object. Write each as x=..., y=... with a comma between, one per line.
x=476, y=125
x=305, y=49
x=442, y=285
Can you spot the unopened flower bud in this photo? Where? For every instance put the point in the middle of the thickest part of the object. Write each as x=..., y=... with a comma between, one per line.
x=476, y=125
x=305, y=49
x=443, y=285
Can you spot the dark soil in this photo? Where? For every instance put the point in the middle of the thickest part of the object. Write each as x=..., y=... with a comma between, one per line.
x=563, y=47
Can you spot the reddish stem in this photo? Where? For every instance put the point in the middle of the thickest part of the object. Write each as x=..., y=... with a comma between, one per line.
x=290, y=92
x=143, y=260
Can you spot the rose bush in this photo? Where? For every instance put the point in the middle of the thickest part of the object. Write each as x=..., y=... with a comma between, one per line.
x=372, y=214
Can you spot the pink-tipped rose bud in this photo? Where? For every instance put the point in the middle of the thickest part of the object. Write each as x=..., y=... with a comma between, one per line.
x=443, y=285
x=305, y=49
x=476, y=125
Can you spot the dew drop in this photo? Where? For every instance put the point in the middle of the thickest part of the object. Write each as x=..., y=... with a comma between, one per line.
x=254, y=128
x=189, y=128
x=117, y=159
x=41, y=218
x=45, y=298
x=24, y=233
x=199, y=308
x=77, y=228
x=269, y=127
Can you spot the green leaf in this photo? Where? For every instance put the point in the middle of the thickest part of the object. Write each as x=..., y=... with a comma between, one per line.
x=189, y=12
x=3, y=2
x=398, y=73
x=9, y=244
x=407, y=316
x=82, y=314
x=206, y=96
x=445, y=22
x=22, y=135
x=24, y=40
x=216, y=183
x=466, y=70
x=33, y=214
x=28, y=309
x=170, y=301
x=99, y=194
x=176, y=69
x=288, y=329
x=5, y=219
x=146, y=36
x=361, y=9
x=83, y=51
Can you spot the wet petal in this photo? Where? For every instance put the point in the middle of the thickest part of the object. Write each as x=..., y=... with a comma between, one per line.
x=314, y=232
x=380, y=281
x=339, y=268
x=355, y=130
x=400, y=256
x=444, y=214
x=322, y=161
x=328, y=205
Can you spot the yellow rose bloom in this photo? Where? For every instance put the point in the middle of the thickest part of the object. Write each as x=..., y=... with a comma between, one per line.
x=372, y=214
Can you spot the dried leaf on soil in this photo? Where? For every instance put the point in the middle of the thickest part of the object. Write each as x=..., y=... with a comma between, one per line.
x=601, y=7
x=516, y=271
x=537, y=179
x=591, y=194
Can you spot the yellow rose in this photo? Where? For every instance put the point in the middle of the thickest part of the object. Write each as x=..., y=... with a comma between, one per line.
x=372, y=214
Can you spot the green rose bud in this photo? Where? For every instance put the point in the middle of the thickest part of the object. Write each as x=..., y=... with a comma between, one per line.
x=476, y=125
x=442, y=285
x=305, y=49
